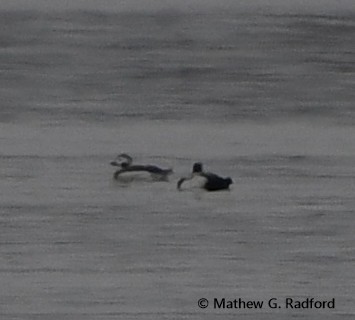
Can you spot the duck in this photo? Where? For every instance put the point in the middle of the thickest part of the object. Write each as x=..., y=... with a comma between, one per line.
x=129, y=171
x=205, y=180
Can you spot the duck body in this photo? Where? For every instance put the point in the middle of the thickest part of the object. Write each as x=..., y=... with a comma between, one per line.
x=127, y=171
x=215, y=182
x=205, y=180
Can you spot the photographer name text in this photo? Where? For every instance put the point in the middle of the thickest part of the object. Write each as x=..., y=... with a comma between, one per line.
x=272, y=303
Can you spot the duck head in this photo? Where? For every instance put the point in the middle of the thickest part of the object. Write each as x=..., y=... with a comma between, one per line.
x=197, y=167
x=123, y=160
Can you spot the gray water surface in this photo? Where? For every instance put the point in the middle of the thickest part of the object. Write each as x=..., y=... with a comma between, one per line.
x=264, y=98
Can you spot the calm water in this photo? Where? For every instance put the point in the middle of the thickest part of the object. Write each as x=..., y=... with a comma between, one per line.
x=267, y=99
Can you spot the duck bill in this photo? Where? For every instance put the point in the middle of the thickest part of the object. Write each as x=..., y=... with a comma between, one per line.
x=114, y=163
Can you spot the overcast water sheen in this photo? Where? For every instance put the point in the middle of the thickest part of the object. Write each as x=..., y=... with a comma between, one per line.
x=267, y=99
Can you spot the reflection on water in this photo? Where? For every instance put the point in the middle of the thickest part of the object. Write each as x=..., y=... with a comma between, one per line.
x=265, y=99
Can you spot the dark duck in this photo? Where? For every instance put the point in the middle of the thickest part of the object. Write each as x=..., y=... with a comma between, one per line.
x=205, y=180
x=128, y=171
